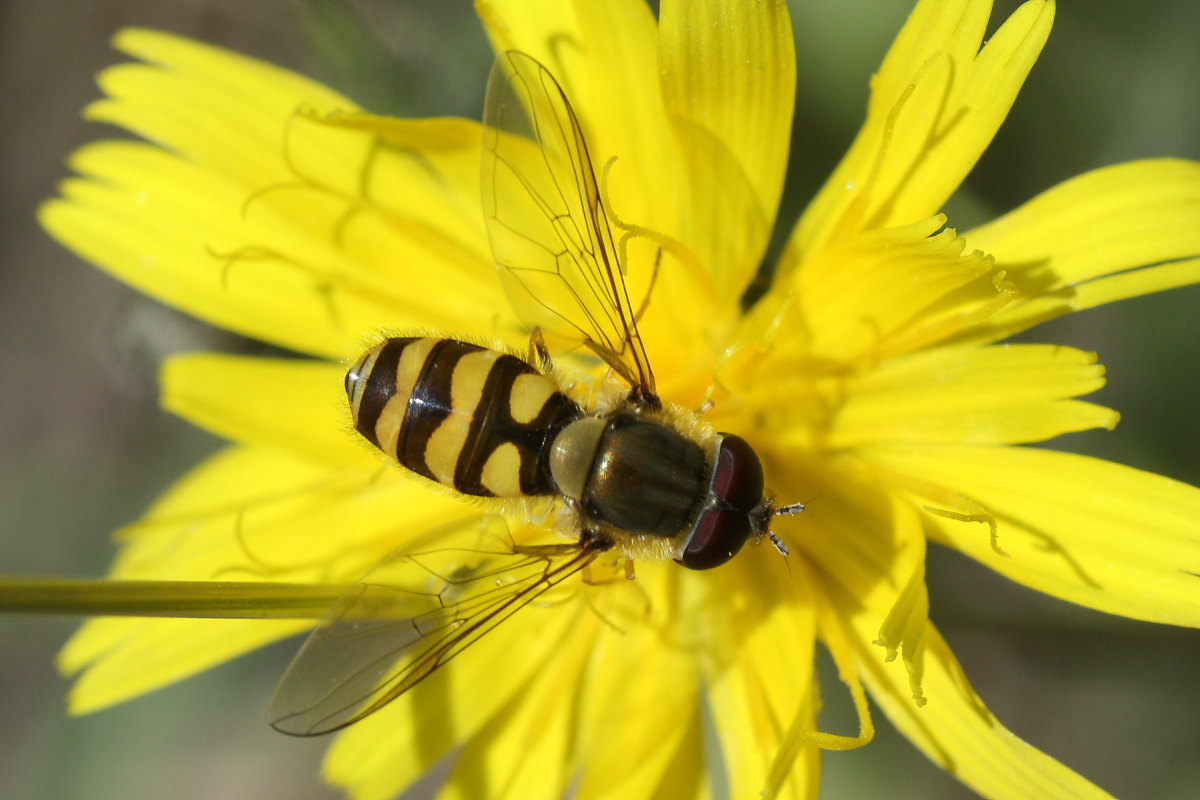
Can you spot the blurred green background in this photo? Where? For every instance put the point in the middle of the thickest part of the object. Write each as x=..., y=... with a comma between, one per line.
x=83, y=447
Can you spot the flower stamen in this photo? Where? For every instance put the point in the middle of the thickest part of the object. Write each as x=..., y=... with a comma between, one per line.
x=903, y=631
x=665, y=243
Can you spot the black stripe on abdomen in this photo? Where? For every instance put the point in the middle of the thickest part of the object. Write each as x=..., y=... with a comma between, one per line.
x=379, y=387
x=492, y=425
x=429, y=403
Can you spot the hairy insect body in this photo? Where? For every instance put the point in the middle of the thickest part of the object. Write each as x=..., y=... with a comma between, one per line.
x=637, y=475
x=488, y=424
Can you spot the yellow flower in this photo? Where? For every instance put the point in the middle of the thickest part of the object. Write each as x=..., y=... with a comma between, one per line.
x=869, y=376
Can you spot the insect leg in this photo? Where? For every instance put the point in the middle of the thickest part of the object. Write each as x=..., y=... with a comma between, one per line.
x=539, y=355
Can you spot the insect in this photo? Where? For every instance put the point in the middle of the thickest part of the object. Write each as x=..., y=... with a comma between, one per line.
x=630, y=476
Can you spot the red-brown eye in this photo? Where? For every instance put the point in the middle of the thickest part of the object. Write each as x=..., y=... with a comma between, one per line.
x=717, y=537
x=737, y=475
x=726, y=522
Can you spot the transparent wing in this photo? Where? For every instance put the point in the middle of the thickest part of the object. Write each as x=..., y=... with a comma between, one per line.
x=551, y=237
x=411, y=614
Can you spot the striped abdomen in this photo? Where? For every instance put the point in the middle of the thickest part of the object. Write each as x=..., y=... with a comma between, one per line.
x=475, y=419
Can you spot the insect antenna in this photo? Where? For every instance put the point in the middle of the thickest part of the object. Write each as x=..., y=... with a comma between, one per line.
x=789, y=509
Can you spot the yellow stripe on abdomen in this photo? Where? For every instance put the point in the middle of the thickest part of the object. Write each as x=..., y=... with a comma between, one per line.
x=478, y=420
x=466, y=389
x=502, y=471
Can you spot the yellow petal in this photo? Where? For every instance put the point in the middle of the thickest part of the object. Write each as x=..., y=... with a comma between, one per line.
x=378, y=757
x=1102, y=236
x=530, y=189
x=631, y=671
x=979, y=395
x=525, y=750
x=762, y=684
x=903, y=595
x=157, y=652
x=937, y=100
x=423, y=179
x=872, y=553
x=671, y=192
x=244, y=514
x=289, y=404
x=1088, y=531
x=728, y=67
x=297, y=522
x=603, y=55
x=270, y=221
x=903, y=630
x=220, y=110
x=867, y=546
x=1098, y=223
x=251, y=513
x=883, y=292
x=156, y=222
x=1106, y=289
x=721, y=230
x=685, y=776
x=839, y=639
x=957, y=732
x=858, y=536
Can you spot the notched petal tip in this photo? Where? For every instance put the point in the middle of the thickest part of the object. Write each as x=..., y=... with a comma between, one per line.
x=903, y=631
x=937, y=101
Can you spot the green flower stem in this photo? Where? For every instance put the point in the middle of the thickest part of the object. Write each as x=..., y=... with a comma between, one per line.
x=193, y=599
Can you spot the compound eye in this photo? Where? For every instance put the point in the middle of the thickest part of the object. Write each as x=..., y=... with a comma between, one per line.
x=718, y=536
x=737, y=474
x=728, y=518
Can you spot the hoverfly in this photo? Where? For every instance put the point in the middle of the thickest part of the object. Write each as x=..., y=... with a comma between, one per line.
x=630, y=476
